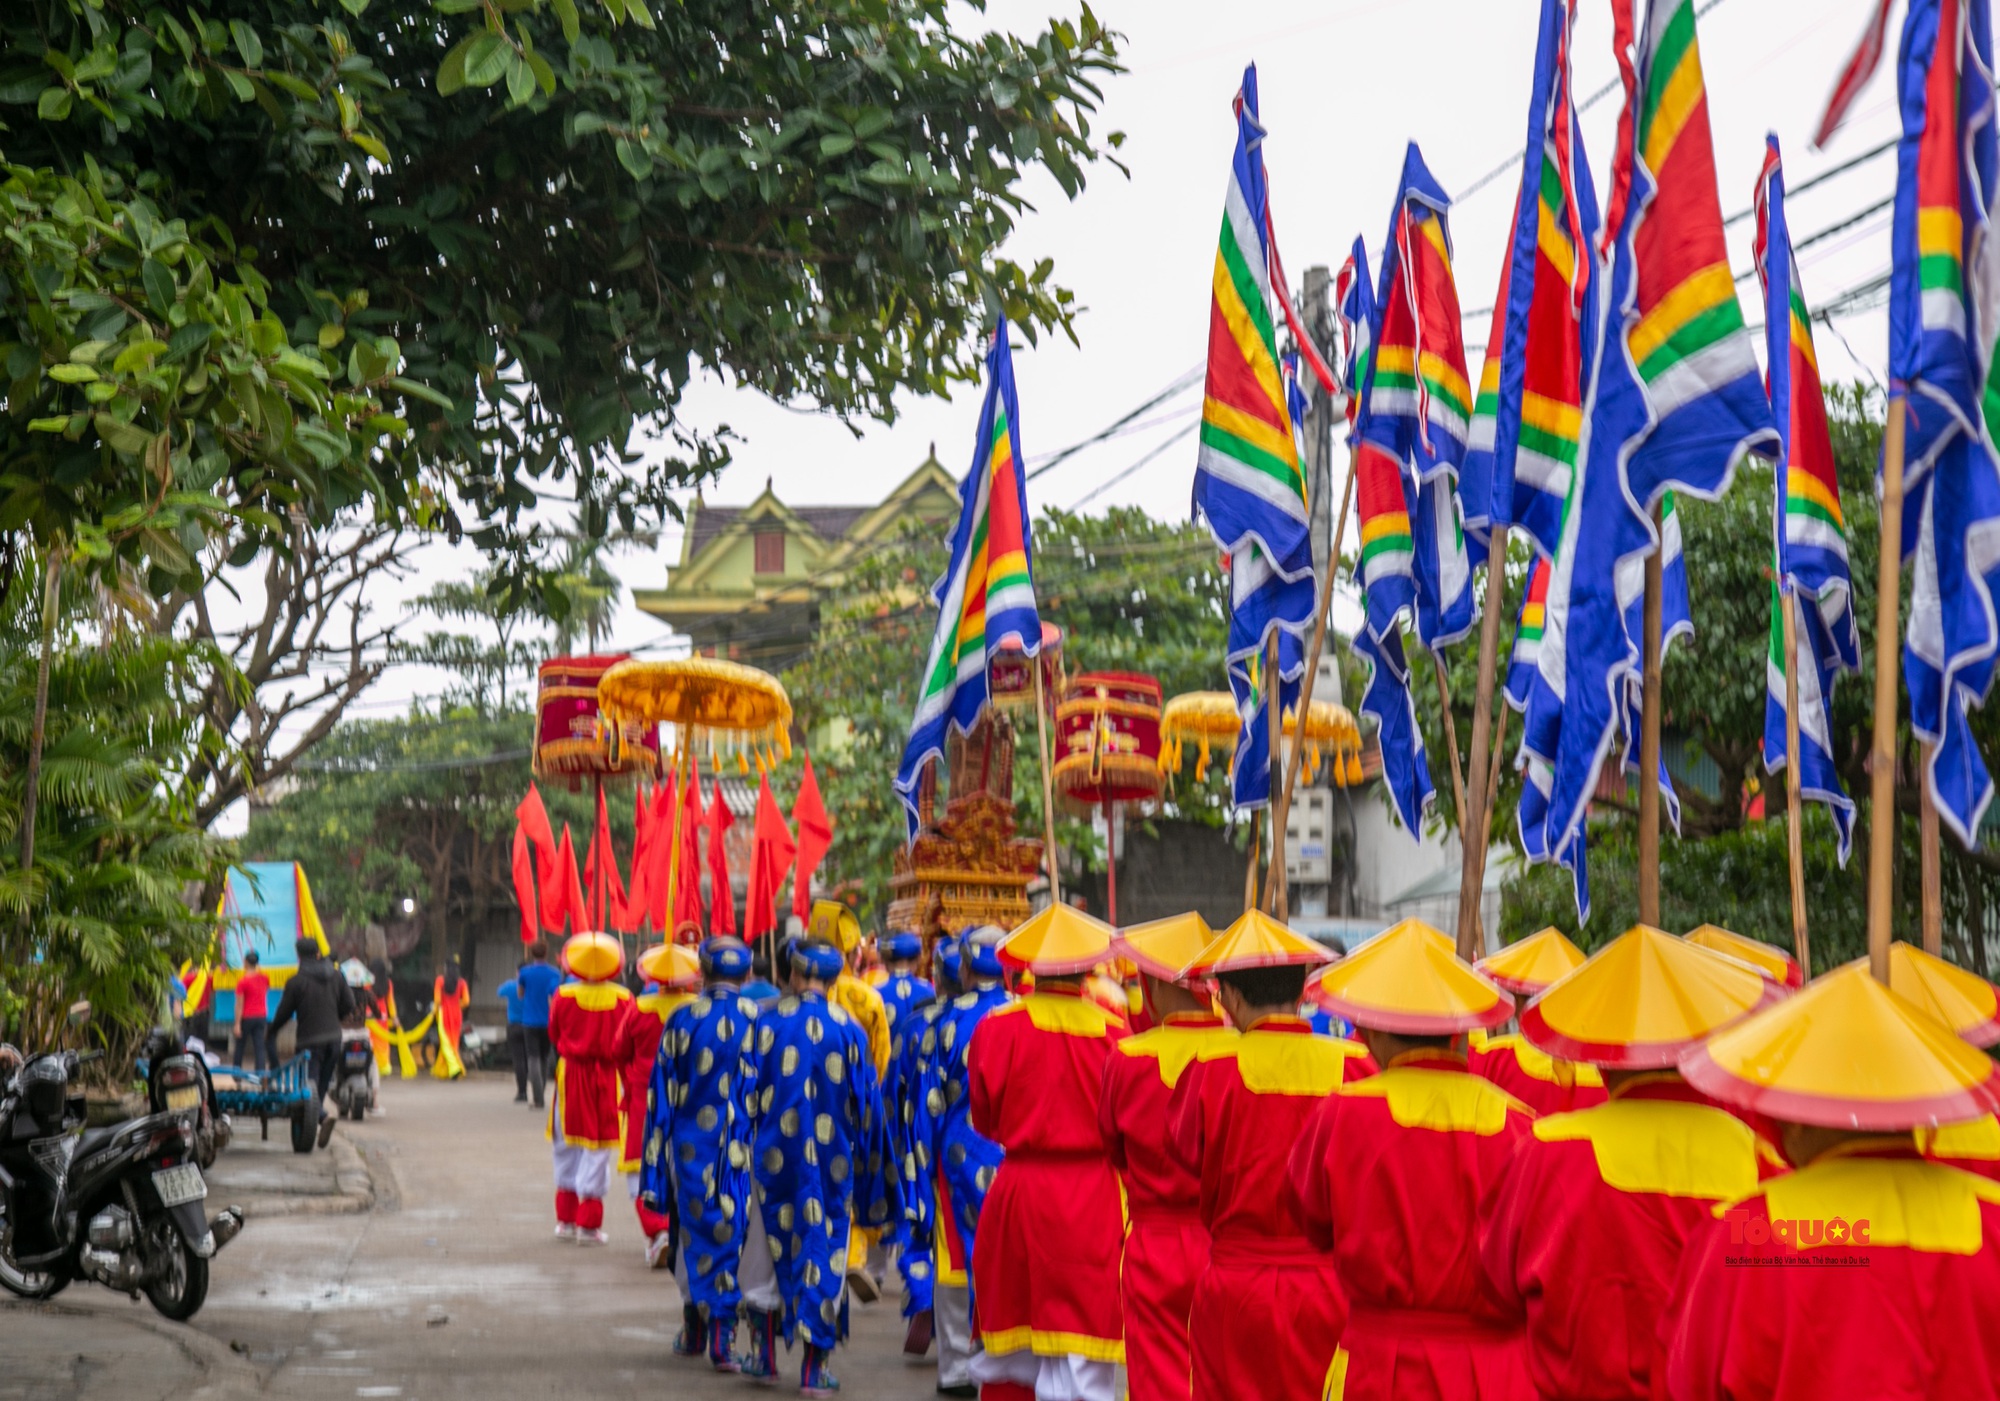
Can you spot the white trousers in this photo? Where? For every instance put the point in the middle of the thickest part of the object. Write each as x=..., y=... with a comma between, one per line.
x=756, y=1273
x=951, y=1319
x=584, y=1171
x=1064, y=1377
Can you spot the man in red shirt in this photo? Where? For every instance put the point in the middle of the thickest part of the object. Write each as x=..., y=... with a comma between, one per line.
x=1268, y=1310
x=1166, y=1246
x=253, y=1012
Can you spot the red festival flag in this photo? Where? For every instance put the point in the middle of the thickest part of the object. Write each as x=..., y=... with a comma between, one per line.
x=770, y=857
x=571, y=906
x=815, y=830
x=687, y=895
x=533, y=820
x=638, y=899
x=524, y=885
x=721, y=895
x=600, y=868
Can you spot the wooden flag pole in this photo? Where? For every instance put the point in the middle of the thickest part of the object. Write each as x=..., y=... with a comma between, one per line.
x=1479, y=948
x=1451, y=741
x=1048, y=783
x=1475, y=825
x=1927, y=836
x=1256, y=854
x=1882, y=750
x=681, y=758
x=1274, y=707
x=1795, y=837
x=1295, y=761
x=1649, y=735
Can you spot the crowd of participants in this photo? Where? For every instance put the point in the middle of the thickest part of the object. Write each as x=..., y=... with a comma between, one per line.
x=1252, y=1170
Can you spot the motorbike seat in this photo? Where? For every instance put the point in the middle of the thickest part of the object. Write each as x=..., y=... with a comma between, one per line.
x=96, y=1138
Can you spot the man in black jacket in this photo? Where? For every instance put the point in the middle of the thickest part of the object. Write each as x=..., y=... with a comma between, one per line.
x=321, y=999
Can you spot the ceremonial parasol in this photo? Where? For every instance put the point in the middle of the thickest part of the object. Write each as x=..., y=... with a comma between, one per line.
x=1209, y=720
x=571, y=729
x=1108, y=754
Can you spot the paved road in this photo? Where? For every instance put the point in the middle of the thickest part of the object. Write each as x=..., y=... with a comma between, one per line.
x=451, y=1287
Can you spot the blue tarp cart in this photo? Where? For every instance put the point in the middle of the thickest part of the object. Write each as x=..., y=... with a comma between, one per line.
x=286, y=1092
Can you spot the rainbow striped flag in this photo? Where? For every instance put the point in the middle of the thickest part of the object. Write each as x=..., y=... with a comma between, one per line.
x=1944, y=303
x=1522, y=663
x=1809, y=532
x=1529, y=413
x=1674, y=401
x=987, y=594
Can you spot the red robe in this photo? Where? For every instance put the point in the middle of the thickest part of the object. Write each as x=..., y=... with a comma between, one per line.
x=1268, y=1311
x=639, y=1046
x=1389, y=1175
x=1921, y=1318
x=1531, y=1075
x=1584, y=1236
x=1166, y=1248
x=586, y=1028
x=1045, y=1257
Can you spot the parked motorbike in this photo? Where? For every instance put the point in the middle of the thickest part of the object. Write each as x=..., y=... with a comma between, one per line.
x=354, y=1078
x=119, y=1205
x=177, y=1080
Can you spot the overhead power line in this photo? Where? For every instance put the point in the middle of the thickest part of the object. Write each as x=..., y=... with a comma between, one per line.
x=1183, y=382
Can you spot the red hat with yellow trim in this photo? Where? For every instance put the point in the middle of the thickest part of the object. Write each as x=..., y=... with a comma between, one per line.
x=1058, y=941
x=593, y=957
x=672, y=966
x=1407, y=980
x=1773, y=962
x=1255, y=941
x=1963, y=1001
x=1643, y=999
x=1528, y=965
x=1849, y=1053
x=1161, y=948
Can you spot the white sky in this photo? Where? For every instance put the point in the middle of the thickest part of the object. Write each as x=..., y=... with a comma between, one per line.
x=1344, y=84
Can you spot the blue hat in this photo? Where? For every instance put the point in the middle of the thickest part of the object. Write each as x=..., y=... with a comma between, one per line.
x=980, y=948
x=725, y=957
x=902, y=944
x=816, y=960
x=946, y=954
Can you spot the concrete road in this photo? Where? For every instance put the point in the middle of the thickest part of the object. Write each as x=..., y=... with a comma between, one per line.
x=451, y=1286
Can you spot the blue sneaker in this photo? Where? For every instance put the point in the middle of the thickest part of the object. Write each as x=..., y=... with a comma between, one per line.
x=760, y=1364
x=815, y=1377
x=722, y=1345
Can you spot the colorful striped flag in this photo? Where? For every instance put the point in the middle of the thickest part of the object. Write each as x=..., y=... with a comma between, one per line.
x=1522, y=664
x=1808, y=529
x=1386, y=697
x=1529, y=413
x=987, y=595
x=1674, y=401
x=1944, y=312
x=1417, y=405
x=1354, y=322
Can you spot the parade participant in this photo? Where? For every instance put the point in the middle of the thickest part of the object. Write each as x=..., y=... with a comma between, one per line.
x=1389, y=1173
x=672, y=973
x=759, y=988
x=818, y=1162
x=1268, y=1310
x=450, y=996
x=1907, y=1301
x=1046, y=1259
x=1546, y=1085
x=700, y=1119
x=1584, y=1236
x=833, y=923
x=586, y=1018
x=1166, y=1248
x=538, y=983
x=966, y=1160
x=910, y=1122
x=517, y=1034
x=900, y=988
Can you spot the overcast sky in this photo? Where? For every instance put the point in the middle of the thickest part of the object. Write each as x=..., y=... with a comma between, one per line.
x=1344, y=85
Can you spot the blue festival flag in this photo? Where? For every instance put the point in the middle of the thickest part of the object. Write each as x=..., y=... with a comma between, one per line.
x=1405, y=771
x=1354, y=320
x=1808, y=527
x=1944, y=313
x=987, y=595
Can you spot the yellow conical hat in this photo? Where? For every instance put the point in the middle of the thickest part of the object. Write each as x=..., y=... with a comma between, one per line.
x=1643, y=999
x=1162, y=947
x=1963, y=1001
x=1255, y=941
x=1774, y=963
x=1847, y=1053
x=1407, y=979
x=1059, y=940
x=593, y=957
x=671, y=966
x=1528, y=965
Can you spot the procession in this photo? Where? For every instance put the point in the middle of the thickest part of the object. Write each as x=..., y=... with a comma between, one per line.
x=1505, y=912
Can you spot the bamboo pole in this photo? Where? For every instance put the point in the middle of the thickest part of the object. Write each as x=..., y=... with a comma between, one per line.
x=1474, y=826
x=1295, y=762
x=1110, y=863
x=1795, y=838
x=1451, y=742
x=1048, y=782
x=681, y=757
x=1275, y=879
x=1882, y=750
x=1256, y=854
x=1479, y=948
x=1649, y=736
x=1927, y=835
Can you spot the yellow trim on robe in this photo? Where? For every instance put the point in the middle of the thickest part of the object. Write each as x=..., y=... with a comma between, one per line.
x=1536, y=1062
x=1175, y=1047
x=1335, y=1386
x=555, y=1108
x=1910, y=1202
x=1060, y=1013
x=1054, y=1344
x=1286, y=1063
x=1978, y=1139
x=1671, y=1147
x=594, y=997
x=663, y=1004
x=1449, y=1101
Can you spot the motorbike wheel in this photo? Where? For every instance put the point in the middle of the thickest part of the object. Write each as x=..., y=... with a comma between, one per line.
x=304, y=1132
x=182, y=1287
x=31, y=1284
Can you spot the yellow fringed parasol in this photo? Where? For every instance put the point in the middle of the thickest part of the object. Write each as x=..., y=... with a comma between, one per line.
x=736, y=708
x=1209, y=720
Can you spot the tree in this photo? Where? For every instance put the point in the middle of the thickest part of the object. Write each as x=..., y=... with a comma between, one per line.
x=484, y=667
x=560, y=212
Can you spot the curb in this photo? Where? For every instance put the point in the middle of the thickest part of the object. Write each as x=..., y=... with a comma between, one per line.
x=354, y=1190
x=224, y=1373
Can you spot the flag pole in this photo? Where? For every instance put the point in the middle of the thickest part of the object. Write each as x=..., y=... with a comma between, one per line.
x=1473, y=826
x=1048, y=783
x=1256, y=853
x=1927, y=834
x=1882, y=751
x=1795, y=841
x=1295, y=762
x=1274, y=708
x=674, y=850
x=1649, y=733
x=1451, y=741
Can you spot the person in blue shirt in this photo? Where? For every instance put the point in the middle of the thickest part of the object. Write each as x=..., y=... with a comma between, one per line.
x=902, y=989
x=909, y=1127
x=536, y=983
x=760, y=989
x=517, y=1036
